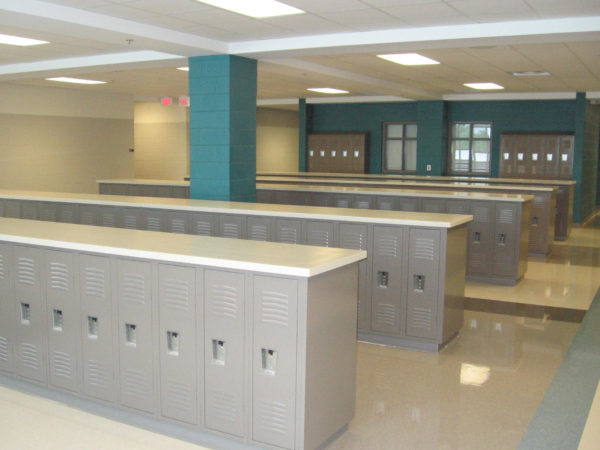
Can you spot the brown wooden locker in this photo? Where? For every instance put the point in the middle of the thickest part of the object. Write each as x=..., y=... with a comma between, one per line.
x=521, y=156
x=313, y=142
x=359, y=154
x=345, y=154
x=507, y=156
x=550, y=151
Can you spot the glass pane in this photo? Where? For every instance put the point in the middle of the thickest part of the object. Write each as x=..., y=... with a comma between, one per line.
x=460, y=156
x=394, y=155
x=482, y=131
x=410, y=155
x=461, y=130
x=481, y=157
x=395, y=130
x=411, y=130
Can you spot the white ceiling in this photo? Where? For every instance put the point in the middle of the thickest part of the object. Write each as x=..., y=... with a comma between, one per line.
x=136, y=45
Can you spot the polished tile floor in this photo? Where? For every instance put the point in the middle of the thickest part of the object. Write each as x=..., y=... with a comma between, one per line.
x=480, y=392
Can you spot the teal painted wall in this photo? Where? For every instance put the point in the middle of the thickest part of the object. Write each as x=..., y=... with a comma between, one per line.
x=432, y=137
x=302, y=119
x=589, y=171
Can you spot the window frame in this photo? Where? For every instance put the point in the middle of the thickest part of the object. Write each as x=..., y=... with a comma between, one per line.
x=403, y=139
x=471, y=140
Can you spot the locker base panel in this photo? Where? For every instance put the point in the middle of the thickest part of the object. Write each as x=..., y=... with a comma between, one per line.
x=540, y=254
x=503, y=281
x=125, y=416
x=407, y=343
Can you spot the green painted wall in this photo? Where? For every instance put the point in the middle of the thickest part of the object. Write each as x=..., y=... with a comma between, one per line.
x=432, y=137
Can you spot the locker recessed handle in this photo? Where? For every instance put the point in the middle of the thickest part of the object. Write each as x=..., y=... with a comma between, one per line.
x=25, y=313
x=57, y=320
x=269, y=361
x=534, y=220
x=501, y=238
x=92, y=323
x=219, y=350
x=419, y=282
x=345, y=153
x=173, y=343
x=477, y=237
x=131, y=334
x=383, y=278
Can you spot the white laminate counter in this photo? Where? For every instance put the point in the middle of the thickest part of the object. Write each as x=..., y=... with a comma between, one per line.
x=258, y=209
x=265, y=257
x=145, y=182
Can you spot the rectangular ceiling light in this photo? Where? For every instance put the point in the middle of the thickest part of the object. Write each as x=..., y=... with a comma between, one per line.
x=255, y=8
x=531, y=73
x=185, y=69
x=327, y=90
x=408, y=59
x=483, y=86
x=75, y=80
x=20, y=41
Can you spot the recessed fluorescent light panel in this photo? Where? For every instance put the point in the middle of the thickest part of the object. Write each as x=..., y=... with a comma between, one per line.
x=531, y=73
x=185, y=69
x=75, y=80
x=255, y=8
x=483, y=86
x=409, y=59
x=327, y=90
x=20, y=41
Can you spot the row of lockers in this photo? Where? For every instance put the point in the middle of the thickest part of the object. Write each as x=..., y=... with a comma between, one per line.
x=498, y=236
x=188, y=344
x=399, y=322
x=536, y=156
x=144, y=190
x=337, y=152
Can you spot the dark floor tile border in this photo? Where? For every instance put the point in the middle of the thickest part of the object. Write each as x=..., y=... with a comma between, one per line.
x=524, y=310
x=560, y=420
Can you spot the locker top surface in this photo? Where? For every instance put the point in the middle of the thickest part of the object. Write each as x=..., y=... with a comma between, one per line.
x=264, y=257
x=148, y=182
x=247, y=209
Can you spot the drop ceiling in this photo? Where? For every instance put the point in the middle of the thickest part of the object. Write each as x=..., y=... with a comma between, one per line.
x=135, y=45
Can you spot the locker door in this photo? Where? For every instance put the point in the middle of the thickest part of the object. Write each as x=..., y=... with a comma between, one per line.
x=387, y=280
x=231, y=226
x=538, y=230
x=507, y=156
x=31, y=314
x=319, y=233
x=345, y=154
x=423, y=283
x=480, y=237
x=224, y=377
x=288, y=231
x=331, y=146
x=433, y=205
x=342, y=200
x=97, y=327
x=565, y=164
x=7, y=311
x=320, y=199
x=551, y=157
x=62, y=314
x=177, y=222
x=321, y=159
x=456, y=207
x=2, y=209
x=363, y=201
x=29, y=210
x=47, y=212
x=136, y=370
x=355, y=236
x=203, y=224
x=506, y=239
x=334, y=158
x=408, y=204
x=386, y=203
x=12, y=208
x=108, y=216
x=131, y=219
x=359, y=154
x=274, y=356
x=258, y=228
x=154, y=219
x=178, y=343
x=536, y=156
x=68, y=212
x=521, y=156
x=312, y=151
x=89, y=215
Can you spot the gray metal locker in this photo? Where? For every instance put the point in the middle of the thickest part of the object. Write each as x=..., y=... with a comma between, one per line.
x=258, y=228
x=12, y=208
x=177, y=222
x=506, y=240
x=433, y=205
x=7, y=311
x=387, y=280
x=224, y=347
x=108, y=216
x=538, y=239
x=424, y=254
x=178, y=343
x=30, y=330
x=2, y=208
x=386, y=203
x=342, y=200
x=47, y=211
x=408, y=204
x=136, y=370
x=97, y=328
x=131, y=218
x=288, y=231
x=154, y=219
x=29, y=210
x=456, y=207
x=89, y=215
x=231, y=226
x=68, y=213
x=480, y=237
x=319, y=233
x=356, y=237
x=62, y=314
x=274, y=353
x=319, y=199
x=203, y=224
x=363, y=201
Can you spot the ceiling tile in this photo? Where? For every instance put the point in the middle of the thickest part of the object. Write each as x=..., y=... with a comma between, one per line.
x=427, y=14
x=364, y=19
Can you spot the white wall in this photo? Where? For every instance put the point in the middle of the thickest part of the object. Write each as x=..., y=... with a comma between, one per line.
x=161, y=141
x=276, y=140
x=57, y=139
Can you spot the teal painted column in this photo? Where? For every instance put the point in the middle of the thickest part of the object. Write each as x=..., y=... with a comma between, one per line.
x=432, y=137
x=222, y=128
x=302, y=135
x=580, y=105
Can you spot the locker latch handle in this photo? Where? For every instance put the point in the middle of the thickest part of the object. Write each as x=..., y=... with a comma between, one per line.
x=57, y=320
x=92, y=327
x=269, y=361
x=383, y=278
x=25, y=313
x=477, y=237
x=534, y=220
x=173, y=343
x=419, y=282
x=131, y=334
x=219, y=351
x=501, y=239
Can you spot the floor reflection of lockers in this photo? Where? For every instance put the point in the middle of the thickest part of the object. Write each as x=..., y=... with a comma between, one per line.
x=338, y=152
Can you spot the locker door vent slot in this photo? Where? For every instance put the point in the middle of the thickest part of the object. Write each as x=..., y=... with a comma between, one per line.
x=92, y=327
x=25, y=313
x=131, y=334
x=269, y=361
x=57, y=320
x=477, y=237
x=501, y=239
x=219, y=351
x=383, y=278
x=419, y=282
x=173, y=343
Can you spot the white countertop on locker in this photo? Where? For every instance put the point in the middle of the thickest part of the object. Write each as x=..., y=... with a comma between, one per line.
x=399, y=177
x=398, y=192
x=250, y=209
x=149, y=181
x=238, y=254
